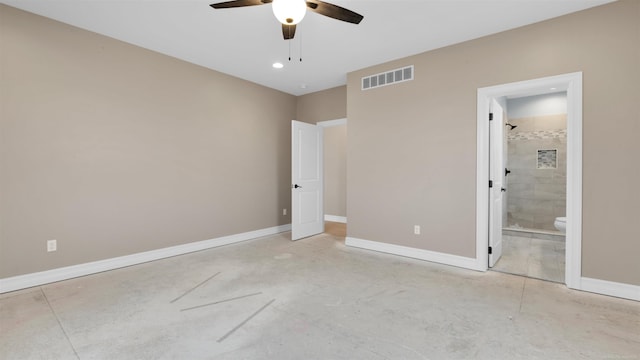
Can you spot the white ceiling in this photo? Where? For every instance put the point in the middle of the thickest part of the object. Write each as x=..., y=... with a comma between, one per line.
x=245, y=42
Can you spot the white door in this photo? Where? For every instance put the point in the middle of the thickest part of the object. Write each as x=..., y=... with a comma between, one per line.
x=496, y=176
x=307, y=212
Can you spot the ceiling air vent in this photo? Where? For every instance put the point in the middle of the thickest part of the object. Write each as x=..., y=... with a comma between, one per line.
x=387, y=78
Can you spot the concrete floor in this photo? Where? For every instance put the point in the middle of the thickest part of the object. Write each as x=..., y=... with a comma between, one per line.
x=532, y=257
x=271, y=298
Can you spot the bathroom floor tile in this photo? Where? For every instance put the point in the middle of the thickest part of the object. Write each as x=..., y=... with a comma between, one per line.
x=532, y=257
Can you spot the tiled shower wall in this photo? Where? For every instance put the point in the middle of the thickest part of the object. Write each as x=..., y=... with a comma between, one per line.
x=536, y=196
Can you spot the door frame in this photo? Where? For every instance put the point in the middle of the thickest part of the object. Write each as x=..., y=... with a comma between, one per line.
x=321, y=124
x=572, y=83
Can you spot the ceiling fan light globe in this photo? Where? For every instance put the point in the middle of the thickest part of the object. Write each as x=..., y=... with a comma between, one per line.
x=289, y=12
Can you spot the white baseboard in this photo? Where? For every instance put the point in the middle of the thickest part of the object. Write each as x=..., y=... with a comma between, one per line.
x=603, y=287
x=442, y=258
x=334, y=218
x=625, y=291
x=69, y=272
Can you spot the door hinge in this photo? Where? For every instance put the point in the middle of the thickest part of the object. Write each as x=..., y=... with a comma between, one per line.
x=490, y=116
x=490, y=250
x=490, y=183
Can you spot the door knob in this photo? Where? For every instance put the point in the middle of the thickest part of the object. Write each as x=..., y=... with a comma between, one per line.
x=297, y=186
x=503, y=189
x=506, y=171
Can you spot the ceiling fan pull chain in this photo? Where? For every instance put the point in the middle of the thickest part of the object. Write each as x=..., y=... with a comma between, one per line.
x=289, y=50
x=300, y=37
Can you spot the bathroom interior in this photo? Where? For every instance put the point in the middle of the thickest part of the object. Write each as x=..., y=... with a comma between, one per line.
x=534, y=203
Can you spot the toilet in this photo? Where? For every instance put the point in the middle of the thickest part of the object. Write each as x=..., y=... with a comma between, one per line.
x=561, y=224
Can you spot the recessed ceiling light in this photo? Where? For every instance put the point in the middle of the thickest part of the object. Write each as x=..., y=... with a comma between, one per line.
x=277, y=65
x=303, y=86
x=552, y=89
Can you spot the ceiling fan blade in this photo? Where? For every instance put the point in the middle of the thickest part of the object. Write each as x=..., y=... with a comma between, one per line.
x=239, y=3
x=288, y=31
x=334, y=11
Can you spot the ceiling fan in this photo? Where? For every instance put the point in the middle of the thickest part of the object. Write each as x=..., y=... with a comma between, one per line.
x=290, y=12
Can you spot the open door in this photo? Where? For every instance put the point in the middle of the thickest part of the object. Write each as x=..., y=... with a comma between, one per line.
x=496, y=176
x=307, y=212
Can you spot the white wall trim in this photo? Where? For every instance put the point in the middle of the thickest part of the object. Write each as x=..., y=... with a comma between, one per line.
x=572, y=83
x=625, y=291
x=335, y=218
x=573, y=256
x=69, y=272
x=442, y=258
x=329, y=123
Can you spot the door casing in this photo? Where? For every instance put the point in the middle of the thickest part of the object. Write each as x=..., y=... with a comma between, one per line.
x=572, y=83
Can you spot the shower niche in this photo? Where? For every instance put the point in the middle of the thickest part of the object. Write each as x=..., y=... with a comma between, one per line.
x=547, y=159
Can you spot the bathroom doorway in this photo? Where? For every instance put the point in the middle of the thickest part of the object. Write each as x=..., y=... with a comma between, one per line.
x=534, y=183
x=570, y=86
x=335, y=178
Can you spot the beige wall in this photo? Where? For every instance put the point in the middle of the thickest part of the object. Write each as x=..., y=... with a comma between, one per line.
x=323, y=105
x=335, y=170
x=112, y=149
x=412, y=146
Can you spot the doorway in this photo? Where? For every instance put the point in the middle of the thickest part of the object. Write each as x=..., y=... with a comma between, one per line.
x=335, y=170
x=534, y=183
x=335, y=178
x=318, y=178
x=486, y=235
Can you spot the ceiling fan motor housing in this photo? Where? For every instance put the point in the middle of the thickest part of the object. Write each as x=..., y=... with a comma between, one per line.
x=289, y=12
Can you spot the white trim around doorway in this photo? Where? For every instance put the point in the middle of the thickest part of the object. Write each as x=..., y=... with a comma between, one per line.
x=329, y=123
x=572, y=83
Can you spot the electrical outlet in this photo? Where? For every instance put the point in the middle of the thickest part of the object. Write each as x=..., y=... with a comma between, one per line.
x=284, y=212
x=416, y=229
x=52, y=245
